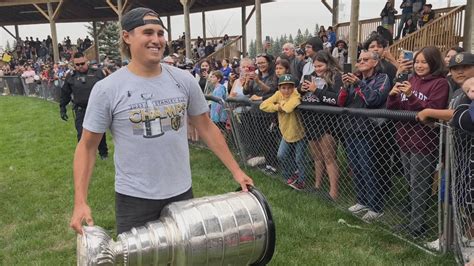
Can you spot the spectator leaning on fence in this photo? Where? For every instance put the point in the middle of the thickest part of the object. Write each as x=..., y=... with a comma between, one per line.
x=29, y=76
x=370, y=90
x=427, y=88
x=461, y=68
x=322, y=88
x=218, y=114
x=292, y=147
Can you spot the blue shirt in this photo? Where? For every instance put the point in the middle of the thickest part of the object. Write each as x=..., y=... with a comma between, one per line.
x=218, y=114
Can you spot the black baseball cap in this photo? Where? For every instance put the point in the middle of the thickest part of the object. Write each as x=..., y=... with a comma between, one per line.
x=134, y=18
x=462, y=59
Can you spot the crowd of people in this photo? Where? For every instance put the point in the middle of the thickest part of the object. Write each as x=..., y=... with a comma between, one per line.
x=414, y=15
x=200, y=48
x=423, y=81
x=317, y=74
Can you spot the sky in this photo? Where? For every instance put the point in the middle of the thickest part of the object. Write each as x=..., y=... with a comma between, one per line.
x=278, y=18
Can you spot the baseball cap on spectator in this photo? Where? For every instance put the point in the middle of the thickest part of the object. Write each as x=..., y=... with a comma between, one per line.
x=300, y=51
x=462, y=59
x=316, y=43
x=135, y=18
x=286, y=79
x=429, y=5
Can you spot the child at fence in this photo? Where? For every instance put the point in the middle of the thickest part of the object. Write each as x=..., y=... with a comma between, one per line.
x=322, y=88
x=427, y=88
x=218, y=113
x=291, y=152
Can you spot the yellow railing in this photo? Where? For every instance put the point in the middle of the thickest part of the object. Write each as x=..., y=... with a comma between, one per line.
x=444, y=32
x=367, y=26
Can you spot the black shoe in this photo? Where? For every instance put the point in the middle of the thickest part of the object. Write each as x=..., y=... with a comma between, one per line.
x=104, y=157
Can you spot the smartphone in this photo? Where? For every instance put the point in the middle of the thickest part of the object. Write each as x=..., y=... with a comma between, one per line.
x=252, y=69
x=347, y=68
x=408, y=55
x=403, y=77
x=308, y=78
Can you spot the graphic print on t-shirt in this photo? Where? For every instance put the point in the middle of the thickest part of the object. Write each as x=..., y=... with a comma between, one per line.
x=154, y=117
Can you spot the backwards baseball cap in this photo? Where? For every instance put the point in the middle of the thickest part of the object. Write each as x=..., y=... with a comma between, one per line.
x=135, y=18
x=461, y=59
x=286, y=79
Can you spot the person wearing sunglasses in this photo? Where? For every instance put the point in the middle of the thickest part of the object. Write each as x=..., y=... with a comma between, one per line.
x=368, y=90
x=78, y=86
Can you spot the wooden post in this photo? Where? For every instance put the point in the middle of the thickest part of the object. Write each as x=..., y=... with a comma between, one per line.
x=54, y=36
x=354, y=29
x=17, y=33
x=168, y=25
x=258, y=22
x=335, y=12
x=187, y=26
x=468, y=42
x=96, y=41
x=244, y=31
x=204, y=26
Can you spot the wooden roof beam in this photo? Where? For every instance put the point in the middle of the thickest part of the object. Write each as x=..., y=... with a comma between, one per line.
x=25, y=2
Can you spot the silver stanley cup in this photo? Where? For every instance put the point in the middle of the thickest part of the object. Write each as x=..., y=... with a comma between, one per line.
x=236, y=228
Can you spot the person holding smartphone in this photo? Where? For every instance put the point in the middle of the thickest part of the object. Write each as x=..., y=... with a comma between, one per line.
x=203, y=75
x=368, y=90
x=322, y=88
x=427, y=88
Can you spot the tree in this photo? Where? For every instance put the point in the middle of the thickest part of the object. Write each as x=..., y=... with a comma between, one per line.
x=108, y=39
x=252, y=49
x=290, y=39
x=307, y=35
x=316, y=30
x=299, y=39
x=8, y=47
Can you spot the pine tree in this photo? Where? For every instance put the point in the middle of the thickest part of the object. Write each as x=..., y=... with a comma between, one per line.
x=108, y=39
x=307, y=35
x=316, y=30
x=299, y=39
x=290, y=39
x=252, y=49
x=8, y=47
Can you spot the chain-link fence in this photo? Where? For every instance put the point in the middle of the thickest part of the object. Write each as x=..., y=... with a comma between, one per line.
x=461, y=152
x=380, y=165
x=45, y=89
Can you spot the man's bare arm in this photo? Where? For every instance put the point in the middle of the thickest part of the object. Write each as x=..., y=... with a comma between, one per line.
x=84, y=161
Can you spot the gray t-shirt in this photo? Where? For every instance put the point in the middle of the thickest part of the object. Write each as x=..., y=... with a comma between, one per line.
x=148, y=121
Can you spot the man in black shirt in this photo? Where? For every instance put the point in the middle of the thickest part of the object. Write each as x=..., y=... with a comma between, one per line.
x=78, y=85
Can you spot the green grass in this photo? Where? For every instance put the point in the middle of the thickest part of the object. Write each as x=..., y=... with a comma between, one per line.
x=36, y=188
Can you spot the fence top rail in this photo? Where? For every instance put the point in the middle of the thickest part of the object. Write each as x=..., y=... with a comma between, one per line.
x=398, y=115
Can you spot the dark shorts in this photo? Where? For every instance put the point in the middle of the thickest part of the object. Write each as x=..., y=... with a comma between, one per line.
x=134, y=212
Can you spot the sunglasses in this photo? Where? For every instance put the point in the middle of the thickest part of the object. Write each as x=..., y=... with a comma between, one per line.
x=80, y=64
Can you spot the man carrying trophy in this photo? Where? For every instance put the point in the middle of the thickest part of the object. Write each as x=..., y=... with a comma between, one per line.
x=152, y=167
